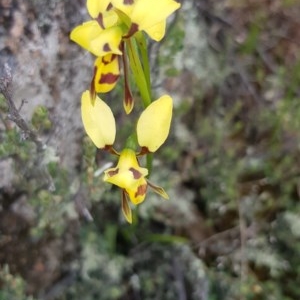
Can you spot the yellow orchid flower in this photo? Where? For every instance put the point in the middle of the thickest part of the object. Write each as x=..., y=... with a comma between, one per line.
x=130, y=177
x=153, y=128
x=115, y=19
x=106, y=74
x=147, y=15
x=92, y=37
x=102, y=35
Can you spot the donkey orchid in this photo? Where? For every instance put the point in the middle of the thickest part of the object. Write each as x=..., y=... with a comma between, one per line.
x=130, y=177
x=152, y=129
x=102, y=34
x=117, y=19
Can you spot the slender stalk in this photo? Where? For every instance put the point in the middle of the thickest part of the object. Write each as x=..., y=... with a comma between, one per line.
x=142, y=78
x=138, y=71
x=141, y=41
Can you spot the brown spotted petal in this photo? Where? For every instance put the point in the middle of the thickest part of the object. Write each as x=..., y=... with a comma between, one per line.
x=128, y=175
x=138, y=194
x=97, y=40
x=96, y=7
x=148, y=15
x=106, y=74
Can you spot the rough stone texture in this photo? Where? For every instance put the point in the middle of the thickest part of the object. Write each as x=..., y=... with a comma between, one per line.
x=48, y=69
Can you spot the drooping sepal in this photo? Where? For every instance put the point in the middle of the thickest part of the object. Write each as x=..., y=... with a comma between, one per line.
x=158, y=190
x=106, y=73
x=128, y=102
x=126, y=208
x=98, y=120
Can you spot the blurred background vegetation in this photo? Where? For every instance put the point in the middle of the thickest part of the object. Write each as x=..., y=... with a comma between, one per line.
x=231, y=229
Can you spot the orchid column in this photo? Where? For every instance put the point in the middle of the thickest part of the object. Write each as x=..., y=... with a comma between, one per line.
x=115, y=35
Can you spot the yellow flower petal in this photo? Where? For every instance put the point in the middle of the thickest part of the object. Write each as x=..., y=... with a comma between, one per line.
x=98, y=120
x=93, y=38
x=128, y=160
x=138, y=194
x=84, y=33
x=147, y=14
x=127, y=174
x=107, y=72
x=107, y=41
x=121, y=178
x=126, y=8
x=154, y=123
x=156, y=32
x=110, y=19
x=95, y=7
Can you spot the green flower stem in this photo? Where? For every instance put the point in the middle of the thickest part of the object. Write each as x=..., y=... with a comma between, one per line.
x=138, y=71
x=131, y=142
x=141, y=76
x=149, y=160
x=141, y=41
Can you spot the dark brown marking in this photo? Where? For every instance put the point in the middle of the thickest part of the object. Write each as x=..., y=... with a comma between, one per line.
x=109, y=7
x=128, y=96
x=113, y=173
x=99, y=19
x=128, y=2
x=136, y=174
x=144, y=150
x=133, y=29
x=106, y=47
x=92, y=86
x=106, y=61
x=141, y=190
x=108, y=78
